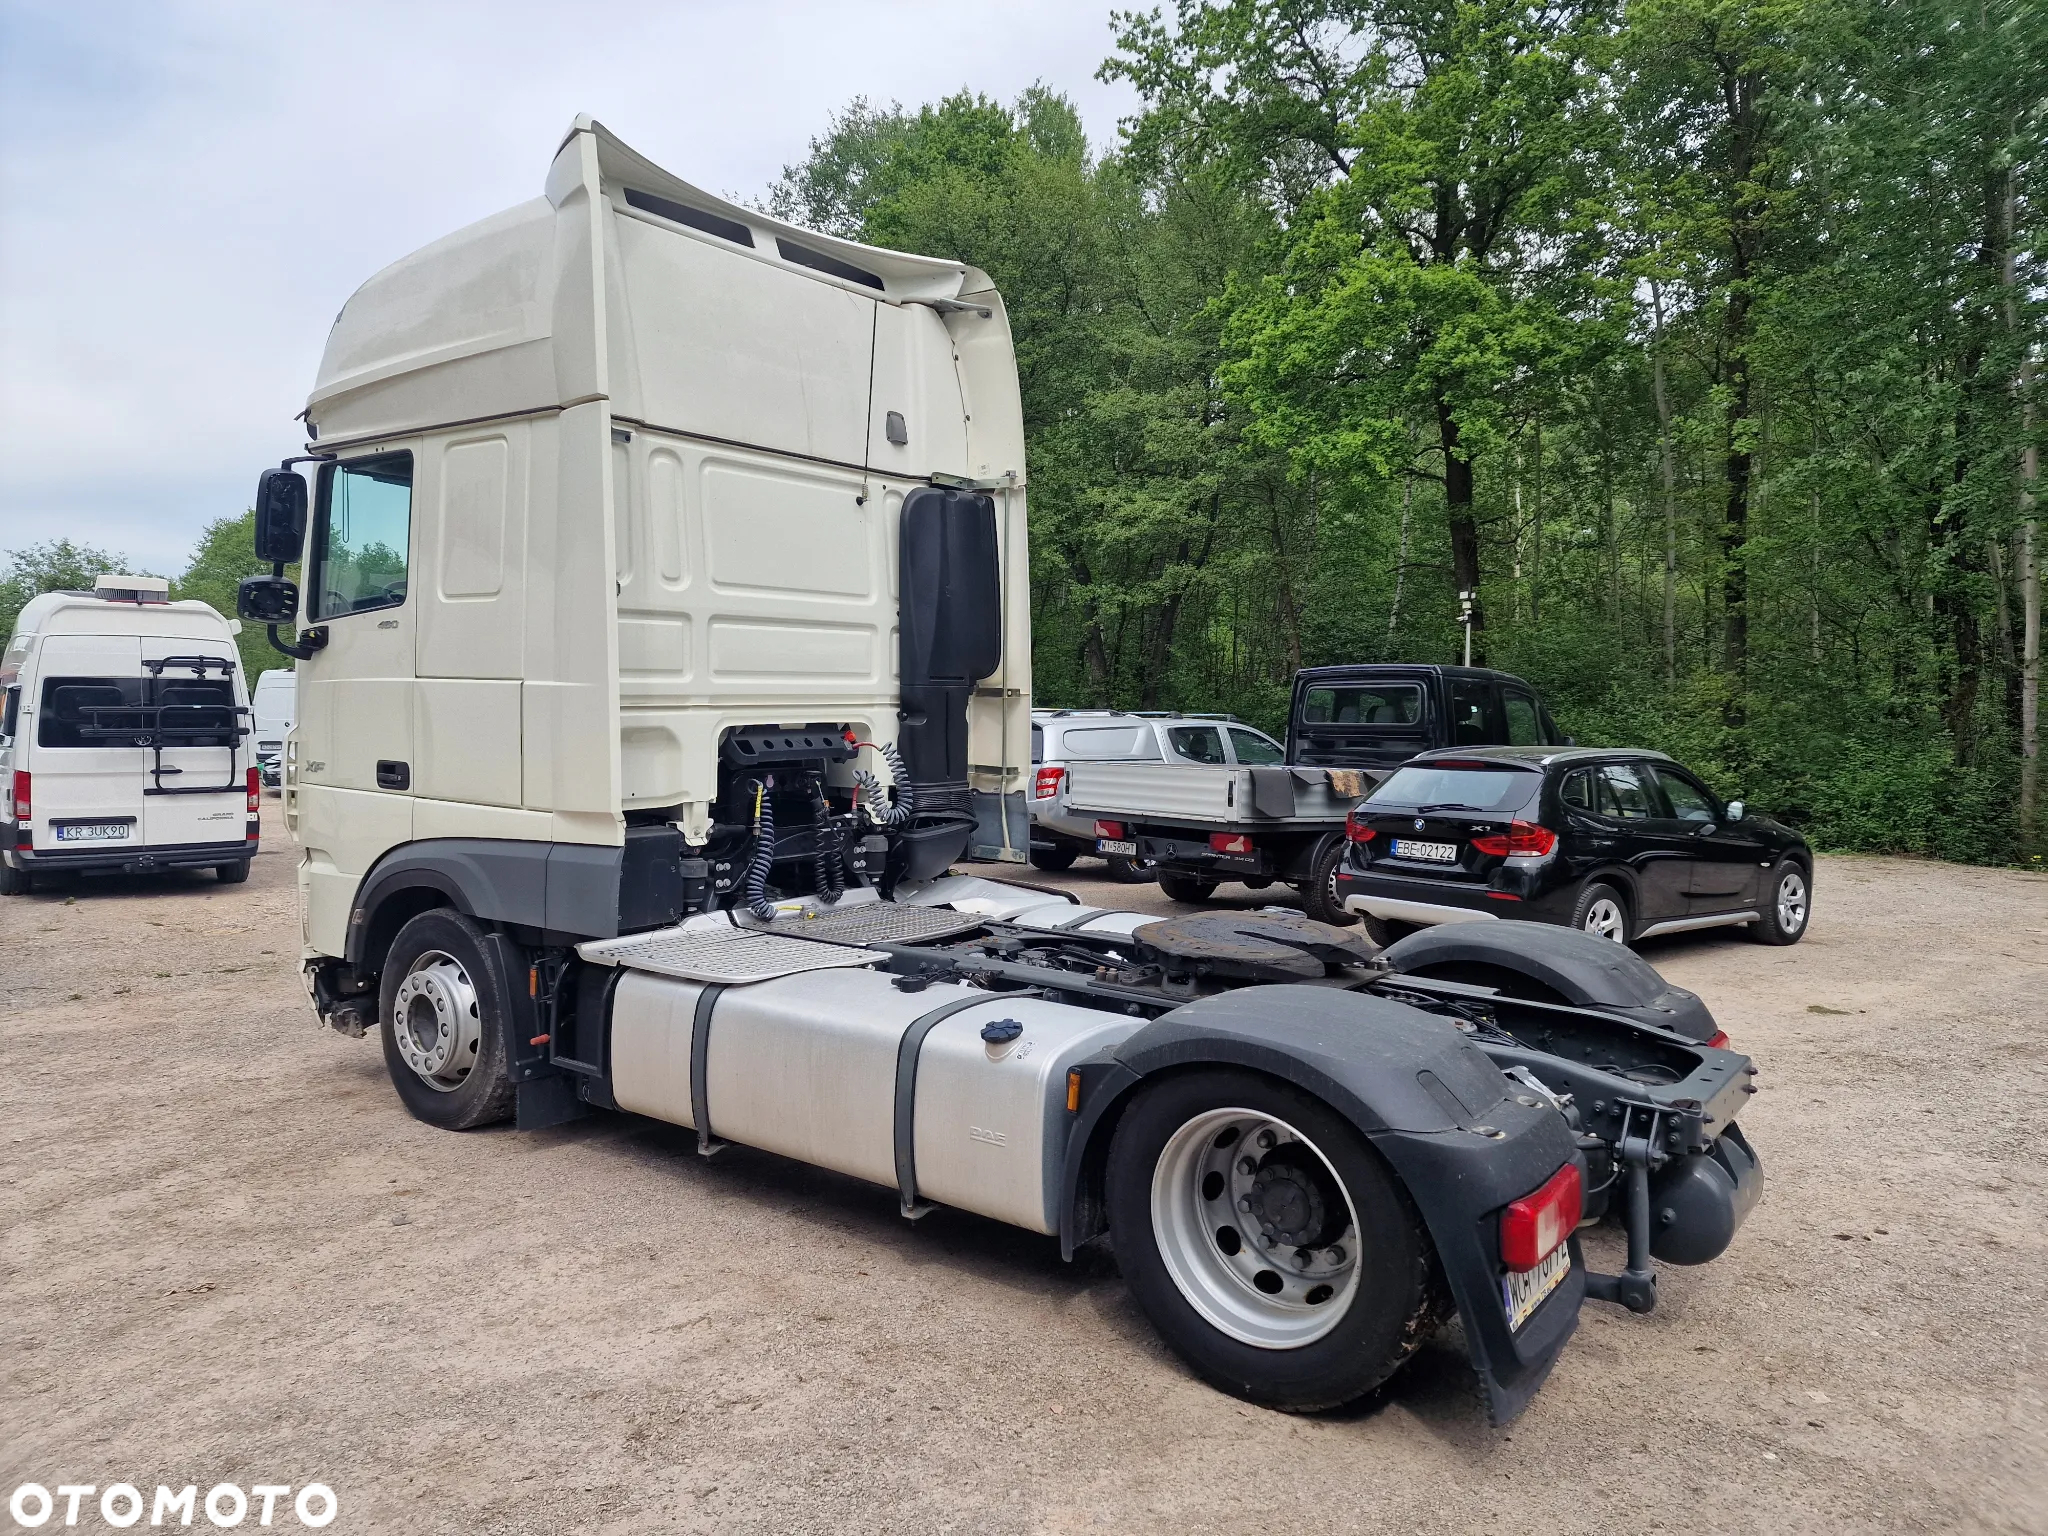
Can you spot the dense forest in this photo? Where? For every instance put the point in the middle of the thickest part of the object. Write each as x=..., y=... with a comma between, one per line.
x=1697, y=337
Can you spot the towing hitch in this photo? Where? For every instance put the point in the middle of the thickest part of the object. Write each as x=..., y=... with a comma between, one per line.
x=1681, y=1208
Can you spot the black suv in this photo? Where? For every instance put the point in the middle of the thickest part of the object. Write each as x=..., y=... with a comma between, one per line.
x=1623, y=844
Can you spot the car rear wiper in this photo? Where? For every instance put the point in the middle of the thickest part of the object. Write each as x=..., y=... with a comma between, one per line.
x=1448, y=805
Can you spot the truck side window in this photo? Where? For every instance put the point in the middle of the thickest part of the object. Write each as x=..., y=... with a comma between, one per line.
x=1525, y=727
x=1197, y=743
x=363, y=535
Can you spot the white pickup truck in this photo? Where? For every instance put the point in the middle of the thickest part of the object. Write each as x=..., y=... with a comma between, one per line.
x=648, y=533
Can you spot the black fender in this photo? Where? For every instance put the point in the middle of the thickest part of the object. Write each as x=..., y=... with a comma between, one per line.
x=1575, y=967
x=1457, y=1135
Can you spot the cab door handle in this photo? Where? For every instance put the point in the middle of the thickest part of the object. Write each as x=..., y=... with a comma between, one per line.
x=392, y=775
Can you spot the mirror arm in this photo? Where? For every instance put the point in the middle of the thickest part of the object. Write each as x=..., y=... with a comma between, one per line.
x=310, y=642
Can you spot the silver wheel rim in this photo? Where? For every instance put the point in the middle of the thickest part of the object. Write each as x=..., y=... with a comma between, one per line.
x=1230, y=1189
x=1792, y=902
x=1604, y=920
x=437, y=1021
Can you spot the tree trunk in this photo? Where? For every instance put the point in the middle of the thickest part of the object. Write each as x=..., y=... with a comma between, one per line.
x=1401, y=554
x=1458, y=513
x=1536, y=532
x=1670, y=471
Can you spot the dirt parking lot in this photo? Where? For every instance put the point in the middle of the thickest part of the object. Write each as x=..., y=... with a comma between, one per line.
x=227, y=1255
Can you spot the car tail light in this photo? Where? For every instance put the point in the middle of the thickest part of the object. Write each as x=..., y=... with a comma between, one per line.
x=1533, y=1226
x=1520, y=837
x=1230, y=842
x=1109, y=829
x=1356, y=829
x=1047, y=783
x=255, y=793
x=22, y=839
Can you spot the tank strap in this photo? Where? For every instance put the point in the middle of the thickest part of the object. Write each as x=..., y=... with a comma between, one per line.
x=700, y=1066
x=906, y=1095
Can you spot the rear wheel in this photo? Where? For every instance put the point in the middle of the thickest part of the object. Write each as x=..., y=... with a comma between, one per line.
x=1602, y=911
x=1268, y=1243
x=232, y=874
x=1788, y=904
x=442, y=1013
x=1319, y=897
x=1129, y=871
x=1053, y=860
x=1179, y=887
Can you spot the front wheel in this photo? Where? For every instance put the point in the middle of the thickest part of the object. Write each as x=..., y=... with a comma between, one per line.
x=1788, y=904
x=1053, y=860
x=1269, y=1244
x=1179, y=887
x=442, y=1011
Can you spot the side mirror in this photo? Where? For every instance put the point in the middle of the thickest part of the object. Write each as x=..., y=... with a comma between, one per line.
x=1571, y=741
x=268, y=599
x=1736, y=810
x=280, y=517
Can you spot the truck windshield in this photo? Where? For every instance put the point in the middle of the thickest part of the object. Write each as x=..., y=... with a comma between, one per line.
x=1421, y=786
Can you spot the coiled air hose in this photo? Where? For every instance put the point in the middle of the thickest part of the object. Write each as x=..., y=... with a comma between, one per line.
x=825, y=854
x=875, y=799
x=764, y=853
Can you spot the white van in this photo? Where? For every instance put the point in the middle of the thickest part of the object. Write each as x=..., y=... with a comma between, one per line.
x=124, y=737
x=273, y=706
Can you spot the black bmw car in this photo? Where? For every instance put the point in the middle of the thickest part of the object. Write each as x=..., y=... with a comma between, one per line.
x=1624, y=844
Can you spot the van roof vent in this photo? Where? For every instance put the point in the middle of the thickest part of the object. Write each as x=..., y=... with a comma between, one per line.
x=132, y=589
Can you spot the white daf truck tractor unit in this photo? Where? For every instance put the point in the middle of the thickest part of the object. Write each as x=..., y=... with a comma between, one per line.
x=124, y=731
x=664, y=644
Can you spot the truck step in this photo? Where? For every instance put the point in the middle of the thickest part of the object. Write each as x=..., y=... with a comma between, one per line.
x=722, y=953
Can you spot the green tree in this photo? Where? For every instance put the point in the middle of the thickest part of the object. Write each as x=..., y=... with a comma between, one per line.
x=56, y=566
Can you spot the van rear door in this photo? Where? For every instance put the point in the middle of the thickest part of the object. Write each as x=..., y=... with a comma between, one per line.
x=206, y=774
x=87, y=783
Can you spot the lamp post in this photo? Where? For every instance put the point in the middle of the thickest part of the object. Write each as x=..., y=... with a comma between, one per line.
x=1466, y=601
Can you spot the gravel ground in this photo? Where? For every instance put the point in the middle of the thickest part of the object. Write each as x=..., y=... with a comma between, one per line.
x=227, y=1255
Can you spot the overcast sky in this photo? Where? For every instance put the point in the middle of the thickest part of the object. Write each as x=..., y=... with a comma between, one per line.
x=189, y=190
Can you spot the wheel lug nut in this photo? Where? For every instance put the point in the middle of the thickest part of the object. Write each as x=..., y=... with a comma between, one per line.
x=1244, y=1203
x=1246, y=1166
x=1336, y=1255
x=1265, y=1140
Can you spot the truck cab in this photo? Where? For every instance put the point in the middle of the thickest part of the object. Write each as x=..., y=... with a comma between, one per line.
x=124, y=737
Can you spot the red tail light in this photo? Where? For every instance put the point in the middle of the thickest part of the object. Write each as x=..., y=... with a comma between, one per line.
x=1230, y=842
x=1520, y=837
x=1719, y=1042
x=22, y=838
x=1533, y=1226
x=1047, y=783
x=1110, y=829
x=1356, y=829
x=255, y=793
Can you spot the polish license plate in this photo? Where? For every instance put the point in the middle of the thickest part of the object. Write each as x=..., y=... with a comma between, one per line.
x=93, y=832
x=1125, y=846
x=1523, y=1293
x=1436, y=853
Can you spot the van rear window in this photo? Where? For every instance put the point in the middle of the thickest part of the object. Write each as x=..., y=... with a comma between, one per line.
x=1421, y=785
x=76, y=711
x=1380, y=704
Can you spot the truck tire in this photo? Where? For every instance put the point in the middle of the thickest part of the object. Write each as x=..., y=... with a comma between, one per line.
x=1270, y=1245
x=1053, y=860
x=1126, y=870
x=1319, y=896
x=442, y=1008
x=232, y=874
x=1787, y=906
x=1179, y=887
x=1602, y=911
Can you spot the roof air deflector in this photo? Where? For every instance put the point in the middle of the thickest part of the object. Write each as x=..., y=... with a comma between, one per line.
x=818, y=261
x=695, y=218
